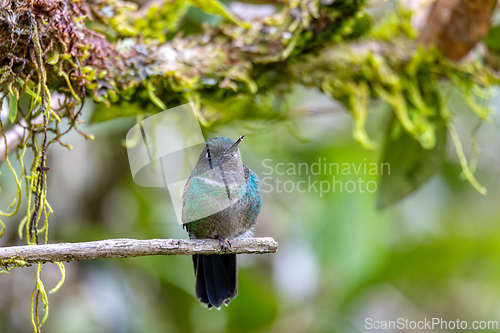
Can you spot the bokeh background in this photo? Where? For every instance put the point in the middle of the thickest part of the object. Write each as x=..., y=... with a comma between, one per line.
x=340, y=259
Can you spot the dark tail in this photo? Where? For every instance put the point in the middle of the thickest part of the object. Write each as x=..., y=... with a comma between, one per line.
x=216, y=278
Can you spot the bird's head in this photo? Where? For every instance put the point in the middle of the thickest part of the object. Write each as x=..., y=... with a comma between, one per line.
x=220, y=152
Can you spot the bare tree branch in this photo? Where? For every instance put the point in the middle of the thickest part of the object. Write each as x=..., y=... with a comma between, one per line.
x=456, y=26
x=124, y=247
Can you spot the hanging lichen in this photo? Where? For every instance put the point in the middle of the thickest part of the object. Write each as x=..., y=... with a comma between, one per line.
x=392, y=68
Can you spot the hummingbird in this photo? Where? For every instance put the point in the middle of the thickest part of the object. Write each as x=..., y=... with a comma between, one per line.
x=221, y=200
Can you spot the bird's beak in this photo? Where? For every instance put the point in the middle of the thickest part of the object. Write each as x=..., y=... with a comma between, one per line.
x=234, y=146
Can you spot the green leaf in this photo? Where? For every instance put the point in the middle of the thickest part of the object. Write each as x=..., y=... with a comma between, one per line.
x=492, y=39
x=410, y=165
x=120, y=110
x=217, y=8
x=362, y=25
x=12, y=107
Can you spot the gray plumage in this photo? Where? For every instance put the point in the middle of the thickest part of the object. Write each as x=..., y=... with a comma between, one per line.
x=221, y=200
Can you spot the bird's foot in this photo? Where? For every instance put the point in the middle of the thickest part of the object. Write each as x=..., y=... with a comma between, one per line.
x=224, y=244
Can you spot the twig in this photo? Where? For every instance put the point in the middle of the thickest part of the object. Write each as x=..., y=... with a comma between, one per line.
x=124, y=247
x=16, y=135
x=14, y=138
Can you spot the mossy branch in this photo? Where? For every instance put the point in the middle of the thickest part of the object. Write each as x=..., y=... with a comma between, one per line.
x=125, y=248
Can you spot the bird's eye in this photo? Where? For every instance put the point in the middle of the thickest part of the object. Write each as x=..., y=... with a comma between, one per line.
x=209, y=155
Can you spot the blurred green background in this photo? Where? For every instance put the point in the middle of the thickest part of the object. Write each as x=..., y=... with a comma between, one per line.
x=340, y=260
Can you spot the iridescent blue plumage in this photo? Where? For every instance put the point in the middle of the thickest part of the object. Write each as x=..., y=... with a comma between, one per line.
x=221, y=200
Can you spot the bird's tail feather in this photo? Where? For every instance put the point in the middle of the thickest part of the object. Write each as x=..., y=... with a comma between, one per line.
x=216, y=278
